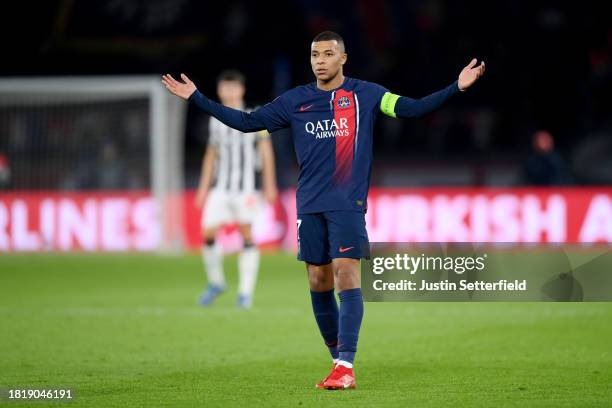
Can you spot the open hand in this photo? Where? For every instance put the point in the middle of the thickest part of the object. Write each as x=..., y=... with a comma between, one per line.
x=181, y=89
x=470, y=74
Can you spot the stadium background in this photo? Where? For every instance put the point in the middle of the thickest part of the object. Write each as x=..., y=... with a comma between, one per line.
x=124, y=328
x=549, y=72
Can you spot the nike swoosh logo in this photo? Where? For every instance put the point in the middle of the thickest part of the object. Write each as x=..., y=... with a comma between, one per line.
x=305, y=108
x=342, y=250
x=346, y=381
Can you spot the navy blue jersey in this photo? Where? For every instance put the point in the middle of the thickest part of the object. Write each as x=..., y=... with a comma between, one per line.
x=332, y=134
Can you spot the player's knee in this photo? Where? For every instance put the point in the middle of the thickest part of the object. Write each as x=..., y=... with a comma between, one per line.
x=209, y=236
x=247, y=239
x=320, y=283
x=245, y=231
x=347, y=272
x=320, y=278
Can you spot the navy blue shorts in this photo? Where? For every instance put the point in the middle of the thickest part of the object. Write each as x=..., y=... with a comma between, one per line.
x=332, y=234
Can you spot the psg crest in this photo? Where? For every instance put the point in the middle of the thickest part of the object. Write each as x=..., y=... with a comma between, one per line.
x=344, y=102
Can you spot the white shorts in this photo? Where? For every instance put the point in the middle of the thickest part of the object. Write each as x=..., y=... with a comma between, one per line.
x=226, y=208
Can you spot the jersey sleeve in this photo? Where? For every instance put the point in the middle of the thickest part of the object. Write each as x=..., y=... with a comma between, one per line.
x=397, y=106
x=376, y=92
x=272, y=116
x=276, y=115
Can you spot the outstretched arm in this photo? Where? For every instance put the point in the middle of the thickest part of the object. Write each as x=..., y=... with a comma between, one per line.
x=206, y=173
x=267, y=117
x=403, y=107
x=268, y=170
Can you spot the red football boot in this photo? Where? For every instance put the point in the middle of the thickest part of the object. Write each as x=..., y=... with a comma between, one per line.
x=320, y=384
x=341, y=378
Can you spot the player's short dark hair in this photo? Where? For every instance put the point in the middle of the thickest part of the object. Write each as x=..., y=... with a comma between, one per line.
x=329, y=36
x=232, y=75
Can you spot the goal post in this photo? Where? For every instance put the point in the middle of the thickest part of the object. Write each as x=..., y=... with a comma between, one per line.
x=98, y=133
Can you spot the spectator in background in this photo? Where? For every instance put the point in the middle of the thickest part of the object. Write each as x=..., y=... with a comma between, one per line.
x=545, y=166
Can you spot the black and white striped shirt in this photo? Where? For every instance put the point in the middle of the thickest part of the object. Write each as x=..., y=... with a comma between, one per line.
x=238, y=165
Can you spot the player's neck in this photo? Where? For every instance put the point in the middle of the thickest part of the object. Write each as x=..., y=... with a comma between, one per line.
x=333, y=83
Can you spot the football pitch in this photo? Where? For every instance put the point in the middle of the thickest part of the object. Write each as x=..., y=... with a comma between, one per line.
x=124, y=330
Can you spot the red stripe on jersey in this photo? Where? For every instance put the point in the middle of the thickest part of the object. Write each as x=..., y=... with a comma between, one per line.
x=344, y=117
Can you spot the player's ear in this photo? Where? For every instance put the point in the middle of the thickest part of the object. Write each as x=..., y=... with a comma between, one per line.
x=343, y=58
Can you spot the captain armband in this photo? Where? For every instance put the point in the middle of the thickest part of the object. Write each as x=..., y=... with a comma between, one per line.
x=387, y=104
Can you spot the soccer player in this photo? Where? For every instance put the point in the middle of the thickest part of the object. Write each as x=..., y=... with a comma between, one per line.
x=232, y=165
x=332, y=122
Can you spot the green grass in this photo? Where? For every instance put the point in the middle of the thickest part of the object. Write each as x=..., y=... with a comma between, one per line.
x=124, y=330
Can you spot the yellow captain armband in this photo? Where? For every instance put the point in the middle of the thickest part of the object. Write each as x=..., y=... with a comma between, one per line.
x=387, y=104
x=263, y=134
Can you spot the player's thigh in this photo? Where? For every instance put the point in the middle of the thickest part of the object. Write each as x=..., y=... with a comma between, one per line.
x=246, y=207
x=216, y=210
x=313, y=245
x=347, y=234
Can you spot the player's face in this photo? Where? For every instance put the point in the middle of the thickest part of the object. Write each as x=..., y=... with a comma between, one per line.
x=230, y=92
x=326, y=59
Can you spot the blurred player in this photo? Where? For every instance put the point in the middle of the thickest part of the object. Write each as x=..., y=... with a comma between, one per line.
x=230, y=191
x=332, y=123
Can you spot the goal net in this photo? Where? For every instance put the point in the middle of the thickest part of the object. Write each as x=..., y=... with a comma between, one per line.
x=96, y=135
